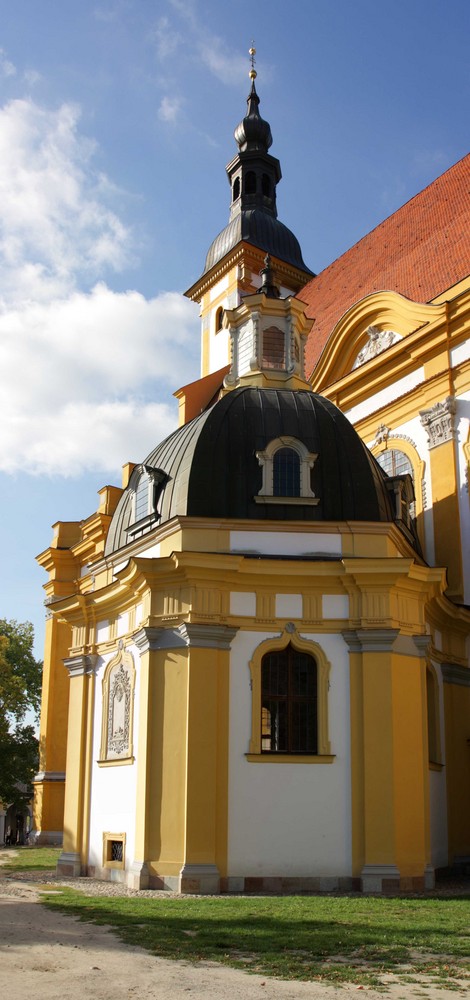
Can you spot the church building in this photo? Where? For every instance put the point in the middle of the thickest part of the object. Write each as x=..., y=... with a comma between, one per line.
x=257, y=669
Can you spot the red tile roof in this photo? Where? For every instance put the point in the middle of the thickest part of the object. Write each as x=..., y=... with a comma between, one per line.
x=419, y=251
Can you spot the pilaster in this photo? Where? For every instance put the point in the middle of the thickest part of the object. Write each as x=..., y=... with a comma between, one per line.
x=182, y=759
x=390, y=844
x=438, y=421
x=73, y=859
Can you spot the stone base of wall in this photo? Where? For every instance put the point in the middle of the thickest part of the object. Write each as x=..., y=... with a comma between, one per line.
x=202, y=880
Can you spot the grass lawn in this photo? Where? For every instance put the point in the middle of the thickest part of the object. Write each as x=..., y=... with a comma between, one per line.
x=32, y=859
x=335, y=939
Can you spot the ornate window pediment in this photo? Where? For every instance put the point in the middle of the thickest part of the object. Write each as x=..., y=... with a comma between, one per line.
x=118, y=708
x=287, y=466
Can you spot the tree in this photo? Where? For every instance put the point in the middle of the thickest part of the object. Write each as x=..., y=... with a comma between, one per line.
x=20, y=693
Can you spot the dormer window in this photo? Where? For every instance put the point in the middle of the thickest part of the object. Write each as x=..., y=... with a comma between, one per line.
x=147, y=485
x=287, y=471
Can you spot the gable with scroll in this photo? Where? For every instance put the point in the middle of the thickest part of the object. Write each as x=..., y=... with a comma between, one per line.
x=118, y=708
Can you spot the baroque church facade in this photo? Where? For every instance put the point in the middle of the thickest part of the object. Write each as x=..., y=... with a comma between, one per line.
x=257, y=650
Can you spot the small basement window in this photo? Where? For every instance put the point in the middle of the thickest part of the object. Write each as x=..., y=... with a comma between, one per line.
x=114, y=845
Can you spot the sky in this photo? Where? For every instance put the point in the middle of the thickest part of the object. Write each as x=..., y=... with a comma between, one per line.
x=116, y=123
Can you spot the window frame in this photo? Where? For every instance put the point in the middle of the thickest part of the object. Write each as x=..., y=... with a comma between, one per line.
x=288, y=700
x=255, y=753
x=266, y=461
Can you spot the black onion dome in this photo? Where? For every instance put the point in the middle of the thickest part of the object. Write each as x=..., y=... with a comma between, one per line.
x=262, y=230
x=211, y=469
x=253, y=132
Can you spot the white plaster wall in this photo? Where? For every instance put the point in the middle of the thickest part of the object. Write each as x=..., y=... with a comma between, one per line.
x=219, y=288
x=285, y=543
x=385, y=396
x=289, y=606
x=242, y=603
x=335, y=606
x=245, y=347
x=113, y=789
x=219, y=353
x=460, y=354
x=289, y=819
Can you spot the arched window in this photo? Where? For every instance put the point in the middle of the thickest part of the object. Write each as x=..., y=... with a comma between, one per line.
x=274, y=348
x=266, y=186
x=250, y=182
x=218, y=319
x=396, y=463
x=142, y=497
x=236, y=189
x=289, y=702
x=286, y=473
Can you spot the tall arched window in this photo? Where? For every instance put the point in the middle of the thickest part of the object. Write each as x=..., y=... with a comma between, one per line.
x=286, y=473
x=218, y=319
x=266, y=186
x=250, y=182
x=396, y=463
x=289, y=702
x=236, y=189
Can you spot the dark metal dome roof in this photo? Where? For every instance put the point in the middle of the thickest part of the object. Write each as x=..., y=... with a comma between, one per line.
x=211, y=469
x=264, y=231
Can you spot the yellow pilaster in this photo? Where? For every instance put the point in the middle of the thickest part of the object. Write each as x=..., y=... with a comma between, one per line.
x=182, y=758
x=390, y=795
x=77, y=787
x=49, y=784
x=457, y=753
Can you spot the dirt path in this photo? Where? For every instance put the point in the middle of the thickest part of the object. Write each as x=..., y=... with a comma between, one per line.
x=48, y=955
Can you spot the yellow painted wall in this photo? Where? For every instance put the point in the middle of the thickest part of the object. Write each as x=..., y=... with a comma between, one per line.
x=457, y=749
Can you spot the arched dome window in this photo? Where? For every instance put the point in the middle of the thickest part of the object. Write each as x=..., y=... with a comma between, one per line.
x=287, y=472
x=236, y=189
x=250, y=182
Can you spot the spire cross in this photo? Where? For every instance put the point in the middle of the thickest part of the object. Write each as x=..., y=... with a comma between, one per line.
x=252, y=53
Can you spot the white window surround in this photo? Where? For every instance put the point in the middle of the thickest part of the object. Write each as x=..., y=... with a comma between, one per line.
x=266, y=461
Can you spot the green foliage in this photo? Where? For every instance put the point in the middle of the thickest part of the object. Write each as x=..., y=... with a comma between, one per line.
x=20, y=692
x=332, y=939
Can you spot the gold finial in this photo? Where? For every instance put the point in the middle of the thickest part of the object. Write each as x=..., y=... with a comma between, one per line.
x=252, y=52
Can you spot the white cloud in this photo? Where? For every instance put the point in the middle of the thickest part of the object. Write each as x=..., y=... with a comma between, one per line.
x=169, y=109
x=167, y=38
x=208, y=48
x=6, y=67
x=86, y=372
x=86, y=378
x=52, y=211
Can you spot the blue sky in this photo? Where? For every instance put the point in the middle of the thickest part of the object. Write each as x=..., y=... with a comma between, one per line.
x=116, y=123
